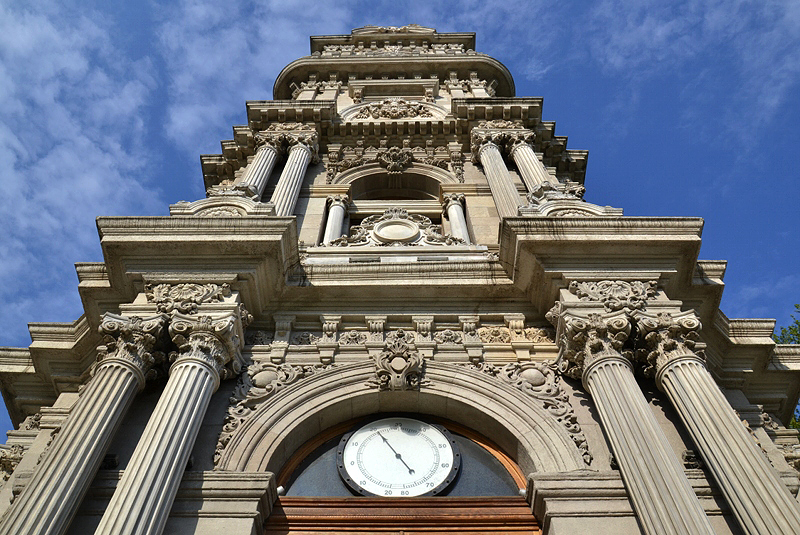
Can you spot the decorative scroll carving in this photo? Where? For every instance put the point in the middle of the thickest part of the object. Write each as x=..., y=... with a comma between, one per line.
x=10, y=456
x=291, y=127
x=256, y=385
x=394, y=108
x=586, y=339
x=352, y=338
x=539, y=380
x=213, y=341
x=32, y=422
x=186, y=297
x=398, y=368
x=395, y=159
x=447, y=336
x=457, y=164
x=616, y=295
x=664, y=337
x=500, y=124
x=400, y=335
x=396, y=227
x=131, y=339
x=494, y=335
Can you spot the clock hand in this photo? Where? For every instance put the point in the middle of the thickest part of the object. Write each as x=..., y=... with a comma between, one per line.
x=396, y=455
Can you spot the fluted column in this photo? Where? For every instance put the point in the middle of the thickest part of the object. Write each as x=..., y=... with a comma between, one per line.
x=453, y=205
x=486, y=148
x=143, y=498
x=337, y=209
x=533, y=172
x=303, y=148
x=662, y=496
x=56, y=489
x=752, y=488
x=259, y=170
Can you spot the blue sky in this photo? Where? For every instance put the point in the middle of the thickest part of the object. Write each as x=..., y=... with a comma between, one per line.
x=687, y=108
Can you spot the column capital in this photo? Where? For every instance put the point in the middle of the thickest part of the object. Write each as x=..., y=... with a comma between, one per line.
x=338, y=200
x=130, y=340
x=585, y=337
x=306, y=140
x=449, y=199
x=268, y=140
x=213, y=341
x=665, y=337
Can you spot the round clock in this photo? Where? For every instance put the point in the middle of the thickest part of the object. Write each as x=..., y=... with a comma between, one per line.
x=398, y=457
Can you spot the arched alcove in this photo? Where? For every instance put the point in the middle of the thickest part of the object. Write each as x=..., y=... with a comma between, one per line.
x=517, y=423
x=417, y=181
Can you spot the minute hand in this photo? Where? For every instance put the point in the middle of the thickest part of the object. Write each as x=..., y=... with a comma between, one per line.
x=396, y=455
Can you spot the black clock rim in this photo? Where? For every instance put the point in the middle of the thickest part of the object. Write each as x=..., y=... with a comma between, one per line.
x=358, y=489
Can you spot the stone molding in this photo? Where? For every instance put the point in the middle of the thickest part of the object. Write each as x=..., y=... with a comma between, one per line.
x=396, y=228
x=395, y=159
x=185, y=297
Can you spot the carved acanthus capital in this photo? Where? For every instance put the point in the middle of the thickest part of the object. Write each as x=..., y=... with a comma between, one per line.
x=664, y=337
x=452, y=198
x=131, y=340
x=185, y=297
x=616, y=295
x=338, y=200
x=307, y=140
x=586, y=338
x=398, y=367
x=213, y=341
x=268, y=140
x=505, y=135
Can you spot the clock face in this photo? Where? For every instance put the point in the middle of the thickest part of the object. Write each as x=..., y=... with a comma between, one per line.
x=398, y=457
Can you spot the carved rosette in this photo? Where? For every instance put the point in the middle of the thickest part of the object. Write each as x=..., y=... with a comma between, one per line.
x=213, y=341
x=585, y=339
x=257, y=384
x=448, y=336
x=352, y=338
x=616, y=295
x=540, y=381
x=664, y=337
x=398, y=367
x=494, y=335
x=185, y=297
x=130, y=339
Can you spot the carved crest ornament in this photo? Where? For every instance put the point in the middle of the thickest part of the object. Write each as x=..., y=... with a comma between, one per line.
x=396, y=228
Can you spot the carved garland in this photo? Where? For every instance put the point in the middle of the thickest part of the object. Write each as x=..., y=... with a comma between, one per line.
x=259, y=382
x=540, y=381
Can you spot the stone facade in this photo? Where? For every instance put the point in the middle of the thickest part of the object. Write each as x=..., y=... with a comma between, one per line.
x=397, y=232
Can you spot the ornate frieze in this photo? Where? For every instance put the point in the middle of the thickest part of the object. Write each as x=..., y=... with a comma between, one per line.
x=130, y=339
x=394, y=108
x=394, y=159
x=616, y=295
x=352, y=338
x=396, y=227
x=540, y=381
x=448, y=336
x=398, y=367
x=585, y=339
x=259, y=338
x=494, y=335
x=185, y=297
x=664, y=337
x=304, y=339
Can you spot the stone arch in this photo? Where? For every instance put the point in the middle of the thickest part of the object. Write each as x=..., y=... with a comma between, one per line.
x=417, y=176
x=527, y=432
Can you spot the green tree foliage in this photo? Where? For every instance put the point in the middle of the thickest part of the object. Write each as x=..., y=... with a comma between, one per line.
x=790, y=334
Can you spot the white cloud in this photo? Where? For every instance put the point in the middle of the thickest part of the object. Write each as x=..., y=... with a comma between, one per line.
x=71, y=148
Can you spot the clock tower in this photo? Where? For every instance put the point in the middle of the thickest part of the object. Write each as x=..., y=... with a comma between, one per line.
x=398, y=310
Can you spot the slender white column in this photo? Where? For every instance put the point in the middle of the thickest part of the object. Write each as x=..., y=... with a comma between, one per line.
x=143, y=498
x=752, y=487
x=337, y=209
x=505, y=194
x=56, y=489
x=662, y=496
x=453, y=204
x=258, y=171
x=533, y=172
x=285, y=196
